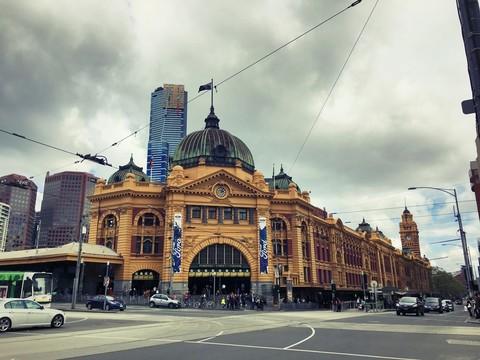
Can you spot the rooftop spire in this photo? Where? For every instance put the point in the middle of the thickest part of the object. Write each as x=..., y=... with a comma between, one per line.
x=212, y=120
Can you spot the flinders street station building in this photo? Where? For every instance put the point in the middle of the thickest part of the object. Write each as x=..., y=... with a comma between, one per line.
x=219, y=225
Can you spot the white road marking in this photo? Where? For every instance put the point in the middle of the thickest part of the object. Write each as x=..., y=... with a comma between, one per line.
x=463, y=342
x=302, y=350
x=75, y=321
x=302, y=341
x=211, y=337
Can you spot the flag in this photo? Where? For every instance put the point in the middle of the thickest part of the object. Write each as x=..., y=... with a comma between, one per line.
x=205, y=87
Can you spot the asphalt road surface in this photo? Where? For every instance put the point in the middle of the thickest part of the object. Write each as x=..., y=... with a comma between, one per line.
x=197, y=334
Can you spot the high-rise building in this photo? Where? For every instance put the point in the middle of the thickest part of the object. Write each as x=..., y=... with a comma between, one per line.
x=21, y=194
x=168, y=126
x=64, y=203
x=4, y=217
x=409, y=234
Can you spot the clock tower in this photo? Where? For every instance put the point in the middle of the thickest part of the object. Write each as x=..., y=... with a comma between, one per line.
x=409, y=234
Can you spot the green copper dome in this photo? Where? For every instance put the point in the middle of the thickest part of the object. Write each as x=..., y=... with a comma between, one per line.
x=122, y=172
x=217, y=147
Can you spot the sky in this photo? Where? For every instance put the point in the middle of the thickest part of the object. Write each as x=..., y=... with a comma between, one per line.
x=78, y=75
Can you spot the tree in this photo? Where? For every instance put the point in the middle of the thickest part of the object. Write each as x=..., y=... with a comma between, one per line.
x=445, y=285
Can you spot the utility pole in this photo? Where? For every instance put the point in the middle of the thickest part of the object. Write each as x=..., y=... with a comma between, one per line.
x=83, y=231
x=106, y=282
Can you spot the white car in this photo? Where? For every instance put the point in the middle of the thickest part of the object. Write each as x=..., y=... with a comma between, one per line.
x=16, y=313
x=163, y=300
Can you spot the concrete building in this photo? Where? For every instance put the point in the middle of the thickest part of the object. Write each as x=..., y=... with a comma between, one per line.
x=21, y=194
x=168, y=126
x=4, y=217
x=63, y=205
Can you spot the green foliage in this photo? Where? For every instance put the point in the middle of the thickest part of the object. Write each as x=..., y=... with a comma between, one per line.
x=445, y=285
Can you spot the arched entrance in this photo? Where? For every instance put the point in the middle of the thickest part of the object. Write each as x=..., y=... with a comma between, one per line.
x=219, y=268
x=143, y=280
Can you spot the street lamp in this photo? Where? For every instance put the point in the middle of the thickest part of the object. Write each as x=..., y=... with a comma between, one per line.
x=453, y=192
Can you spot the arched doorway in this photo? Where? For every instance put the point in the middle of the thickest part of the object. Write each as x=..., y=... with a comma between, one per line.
x=143, y=280
x=219, y=268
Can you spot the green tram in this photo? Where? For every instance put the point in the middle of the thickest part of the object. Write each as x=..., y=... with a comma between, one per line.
x=36, y=286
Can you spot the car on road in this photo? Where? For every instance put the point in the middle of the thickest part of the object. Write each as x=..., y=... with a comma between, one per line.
x=433, y=304
x=459, y=302
x=105, y=303
x=163, y=300
x=20, y=313
x=447, y=305
x=410, y=305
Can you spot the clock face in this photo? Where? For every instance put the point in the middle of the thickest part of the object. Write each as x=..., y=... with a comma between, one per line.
x=409, y=237
x=221, y=192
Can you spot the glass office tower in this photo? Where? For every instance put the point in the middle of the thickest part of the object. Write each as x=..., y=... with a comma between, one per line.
x=168, y=126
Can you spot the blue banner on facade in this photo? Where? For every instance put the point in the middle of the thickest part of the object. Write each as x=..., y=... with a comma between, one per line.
x=263, y=245
x=177, y=243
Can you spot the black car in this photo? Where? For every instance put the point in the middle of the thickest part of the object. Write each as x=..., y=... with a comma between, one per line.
x=433, y=304
x=410, y=305
x=99, y=302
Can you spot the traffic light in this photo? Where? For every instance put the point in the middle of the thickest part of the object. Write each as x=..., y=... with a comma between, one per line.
x=334, y=287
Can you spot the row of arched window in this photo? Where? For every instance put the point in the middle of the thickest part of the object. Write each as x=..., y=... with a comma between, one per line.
x=147, y=220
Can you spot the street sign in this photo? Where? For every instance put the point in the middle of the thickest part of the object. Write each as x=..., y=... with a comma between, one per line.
x=106, y=281
x=373, y=284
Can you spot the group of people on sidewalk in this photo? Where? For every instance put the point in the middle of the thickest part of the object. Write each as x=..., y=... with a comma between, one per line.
x=473, y=306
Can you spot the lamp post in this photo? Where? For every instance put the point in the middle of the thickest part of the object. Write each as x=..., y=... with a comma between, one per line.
x=106, y=282
x=83, y=231
x=453, y=192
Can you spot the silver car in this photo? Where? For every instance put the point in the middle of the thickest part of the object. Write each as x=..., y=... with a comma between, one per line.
x=17, y=313
x=163, y=300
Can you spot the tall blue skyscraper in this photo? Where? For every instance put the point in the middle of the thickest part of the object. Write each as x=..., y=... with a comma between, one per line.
x=168, y=126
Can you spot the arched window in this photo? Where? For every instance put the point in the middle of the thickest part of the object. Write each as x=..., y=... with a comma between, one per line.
x=148, y=219
x=305, y=241
x=110, y=221
x=109, y=243
x=279, y=237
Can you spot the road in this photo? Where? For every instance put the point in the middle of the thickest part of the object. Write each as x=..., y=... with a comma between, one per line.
x=195, y=334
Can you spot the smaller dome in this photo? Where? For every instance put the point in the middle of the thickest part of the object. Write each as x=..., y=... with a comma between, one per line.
x=130, y=168
x=282, y=181
x=364, y=226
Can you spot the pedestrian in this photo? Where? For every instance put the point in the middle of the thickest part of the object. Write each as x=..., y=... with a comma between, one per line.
x=339, y=305
x=477, y=306
x=469, y=307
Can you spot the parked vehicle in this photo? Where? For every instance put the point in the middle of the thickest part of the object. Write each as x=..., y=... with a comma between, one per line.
x=459, y=302
x=163, y=300
x=447, y=305
x=18, y=313
x=410, y=305
x=110, y=303
x=433, y=304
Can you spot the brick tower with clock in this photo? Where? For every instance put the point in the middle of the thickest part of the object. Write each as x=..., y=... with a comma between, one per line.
x=409, y=234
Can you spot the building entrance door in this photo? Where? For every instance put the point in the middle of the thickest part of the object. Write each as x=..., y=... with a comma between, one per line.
x=219, y=269
x=144, y=281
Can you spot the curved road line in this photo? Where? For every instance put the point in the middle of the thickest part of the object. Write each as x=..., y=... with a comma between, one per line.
x=75, y=321
x=212, y=337
x=302, y=341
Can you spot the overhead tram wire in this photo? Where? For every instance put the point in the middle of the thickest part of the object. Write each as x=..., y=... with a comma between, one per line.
x=400, y=207
x=419, y=216
x=333, y=86
x=93, y=158
x=323, y=22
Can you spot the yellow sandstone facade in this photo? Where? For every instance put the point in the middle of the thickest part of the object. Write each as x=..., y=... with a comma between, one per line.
x=222, y=198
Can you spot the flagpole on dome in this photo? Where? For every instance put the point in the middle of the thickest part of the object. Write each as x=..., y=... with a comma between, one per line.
x=211, y=90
